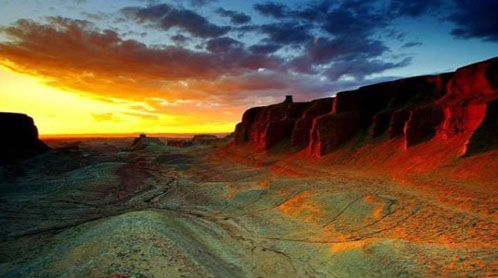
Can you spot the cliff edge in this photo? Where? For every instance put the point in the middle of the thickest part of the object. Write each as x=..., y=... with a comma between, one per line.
x=461, y=104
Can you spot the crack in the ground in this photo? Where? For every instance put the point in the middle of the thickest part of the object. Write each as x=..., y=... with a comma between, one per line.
x=342, y=211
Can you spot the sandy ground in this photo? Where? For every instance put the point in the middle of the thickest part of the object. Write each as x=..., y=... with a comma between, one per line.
x=103, y=209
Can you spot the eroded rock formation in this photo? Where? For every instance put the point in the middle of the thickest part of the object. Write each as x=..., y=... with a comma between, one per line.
x=143, y=141
x=417, y=109
x=268, y=126
x=485, y=136
x=204, y=139
x=18, y=137
x=301, y=133
x=180, y=143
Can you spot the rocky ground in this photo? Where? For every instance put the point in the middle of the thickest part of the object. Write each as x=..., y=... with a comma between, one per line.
x=100, y=207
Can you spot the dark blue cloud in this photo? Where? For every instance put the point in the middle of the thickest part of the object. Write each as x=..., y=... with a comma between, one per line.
x=327, y=38
x=475, y=19
x=150, y=13
x=340, y=50
x=342, y=22
x=179, y=38
x=413, y=8
x=359, y=69
x=331, y=33
x=235, y=17
x=223, y=44
x=411, y=44
x=201, y=2
x=164, y=16
x=287, y=32
x=273, y=9
x=265, y=48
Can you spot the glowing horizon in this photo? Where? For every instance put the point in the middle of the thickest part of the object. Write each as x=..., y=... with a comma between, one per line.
x=58, y=112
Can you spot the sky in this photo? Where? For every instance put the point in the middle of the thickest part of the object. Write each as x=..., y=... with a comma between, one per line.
x=194, y=66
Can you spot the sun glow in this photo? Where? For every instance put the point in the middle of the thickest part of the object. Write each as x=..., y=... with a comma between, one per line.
x=58, y=111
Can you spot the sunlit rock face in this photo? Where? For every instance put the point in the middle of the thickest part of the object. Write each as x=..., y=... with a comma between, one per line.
x=18, y=137
x=416, y=109
x=301, y=133
x=268, y=126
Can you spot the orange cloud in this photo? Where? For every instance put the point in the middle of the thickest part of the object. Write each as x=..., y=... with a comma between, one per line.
x=196, y=87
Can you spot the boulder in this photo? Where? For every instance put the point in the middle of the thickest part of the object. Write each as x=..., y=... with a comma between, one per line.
x=19, y=137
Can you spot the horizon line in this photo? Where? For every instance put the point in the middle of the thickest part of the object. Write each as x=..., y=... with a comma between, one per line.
x=127, y=135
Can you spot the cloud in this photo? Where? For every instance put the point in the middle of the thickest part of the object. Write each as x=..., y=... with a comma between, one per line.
x=322, y=52
x=319, y=33
x=413, y=8
x=334, y=33
x=412, y=44
x=165, y=17
x=72, y=54
x=346, y=22
x=359, y=70
x=475, y=19
x=201, y=2
x=224, y=44
x=311, y=51
x=105, y=117
x=235, y=17
x=179, y=38
x=265, y=48
x=272, y=9
x=287, y=32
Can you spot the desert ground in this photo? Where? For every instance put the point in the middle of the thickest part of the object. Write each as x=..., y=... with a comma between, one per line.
x=103, y=207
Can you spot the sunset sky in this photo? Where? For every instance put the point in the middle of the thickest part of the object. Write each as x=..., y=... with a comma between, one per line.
x=93, y=66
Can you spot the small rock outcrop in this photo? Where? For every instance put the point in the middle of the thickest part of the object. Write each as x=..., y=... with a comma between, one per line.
x=143, y=141
x=204, y=139
x=417, y=109
x=19, y=137
x=179, y=143
x=199, y=139
x=288, y=99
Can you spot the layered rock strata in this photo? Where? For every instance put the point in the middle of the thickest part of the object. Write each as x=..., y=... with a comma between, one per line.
x=417, y=109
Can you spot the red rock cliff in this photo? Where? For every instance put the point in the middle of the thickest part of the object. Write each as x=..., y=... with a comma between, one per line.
x=418, y=109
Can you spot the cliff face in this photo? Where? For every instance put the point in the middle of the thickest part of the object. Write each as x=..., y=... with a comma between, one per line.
x=265, y=127
x=18, y=137
x=418, y=109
